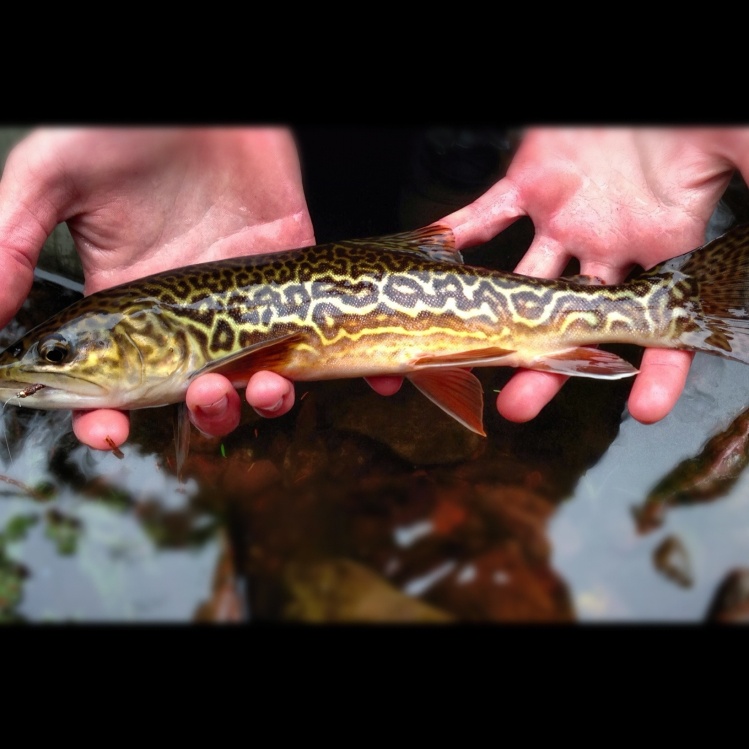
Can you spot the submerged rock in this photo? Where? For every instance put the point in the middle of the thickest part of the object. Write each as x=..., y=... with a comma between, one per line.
x=730, y=604
x=341, y=590
x=225, y=604
x=671, y=558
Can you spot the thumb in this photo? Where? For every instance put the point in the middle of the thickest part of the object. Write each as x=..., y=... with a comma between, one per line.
x=27, y=218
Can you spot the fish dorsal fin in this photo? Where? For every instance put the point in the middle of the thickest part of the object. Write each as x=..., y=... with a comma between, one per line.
x=585, y=361
x=240, y=365
x=457, y=392
x=491, y=355
x=436, y=242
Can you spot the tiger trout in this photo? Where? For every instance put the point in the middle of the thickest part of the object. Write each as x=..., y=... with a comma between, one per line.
x=404, y=304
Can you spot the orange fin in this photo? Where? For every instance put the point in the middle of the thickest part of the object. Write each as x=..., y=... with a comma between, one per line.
x=473, y=358
x=457, y=392
x=240, y=365
x=436, y=242
x=585, y=362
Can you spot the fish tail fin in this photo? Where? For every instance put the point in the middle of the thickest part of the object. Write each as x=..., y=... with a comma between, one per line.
x=712, y=284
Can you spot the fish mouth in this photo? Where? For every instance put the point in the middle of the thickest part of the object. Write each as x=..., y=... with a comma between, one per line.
x=30, y=390
x=17, y=390
x=20, y=386
x=36, y=394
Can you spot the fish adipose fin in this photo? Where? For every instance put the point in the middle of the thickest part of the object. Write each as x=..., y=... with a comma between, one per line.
x=457, y=392
x=717, y=275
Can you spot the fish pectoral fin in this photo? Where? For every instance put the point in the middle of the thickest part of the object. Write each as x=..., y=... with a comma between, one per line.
x=457, y=392
x=585, y=361
x=473, y=358
x=182, y=429
x=242, y=364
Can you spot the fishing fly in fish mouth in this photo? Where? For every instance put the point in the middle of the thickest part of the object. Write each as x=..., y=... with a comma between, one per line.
x=403, y=304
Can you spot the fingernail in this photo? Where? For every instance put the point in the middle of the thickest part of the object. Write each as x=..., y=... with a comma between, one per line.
x=217, y=408
x=275, y=406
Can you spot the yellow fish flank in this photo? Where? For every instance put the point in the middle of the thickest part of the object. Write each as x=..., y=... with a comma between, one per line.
x=404, y=304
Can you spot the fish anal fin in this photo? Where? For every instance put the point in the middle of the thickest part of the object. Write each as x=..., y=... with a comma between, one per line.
x=457, y=392
x=242, y=364
x=472, y=358
x=585, y=361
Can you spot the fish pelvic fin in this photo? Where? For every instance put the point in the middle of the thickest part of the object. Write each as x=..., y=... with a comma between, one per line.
x=457, y=392
x=182, y=430
x=718, y=276
x=483, y=357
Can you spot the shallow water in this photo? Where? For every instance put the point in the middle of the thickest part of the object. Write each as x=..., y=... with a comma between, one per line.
x=598, y=549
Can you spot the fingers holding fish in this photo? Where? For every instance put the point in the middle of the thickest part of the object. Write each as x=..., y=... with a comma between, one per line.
x=526, y=393
x=213, y=404
x=656, y=389
x=385, y=384
x=663, y=374
x=101, y=429
x=270, y=394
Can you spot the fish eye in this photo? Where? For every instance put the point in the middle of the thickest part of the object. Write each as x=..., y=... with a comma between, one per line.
x=54, y=349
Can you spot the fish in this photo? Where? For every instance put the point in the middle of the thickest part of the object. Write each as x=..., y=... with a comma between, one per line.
x=404, y=304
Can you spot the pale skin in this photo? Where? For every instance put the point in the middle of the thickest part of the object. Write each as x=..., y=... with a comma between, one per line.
x=138, y=201
x=612, y=198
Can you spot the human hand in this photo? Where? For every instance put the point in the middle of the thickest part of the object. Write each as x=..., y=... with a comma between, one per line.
x=612, y=198
x=138, y=201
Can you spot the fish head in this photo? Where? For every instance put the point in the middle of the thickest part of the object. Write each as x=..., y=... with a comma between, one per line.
x=92, y=357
